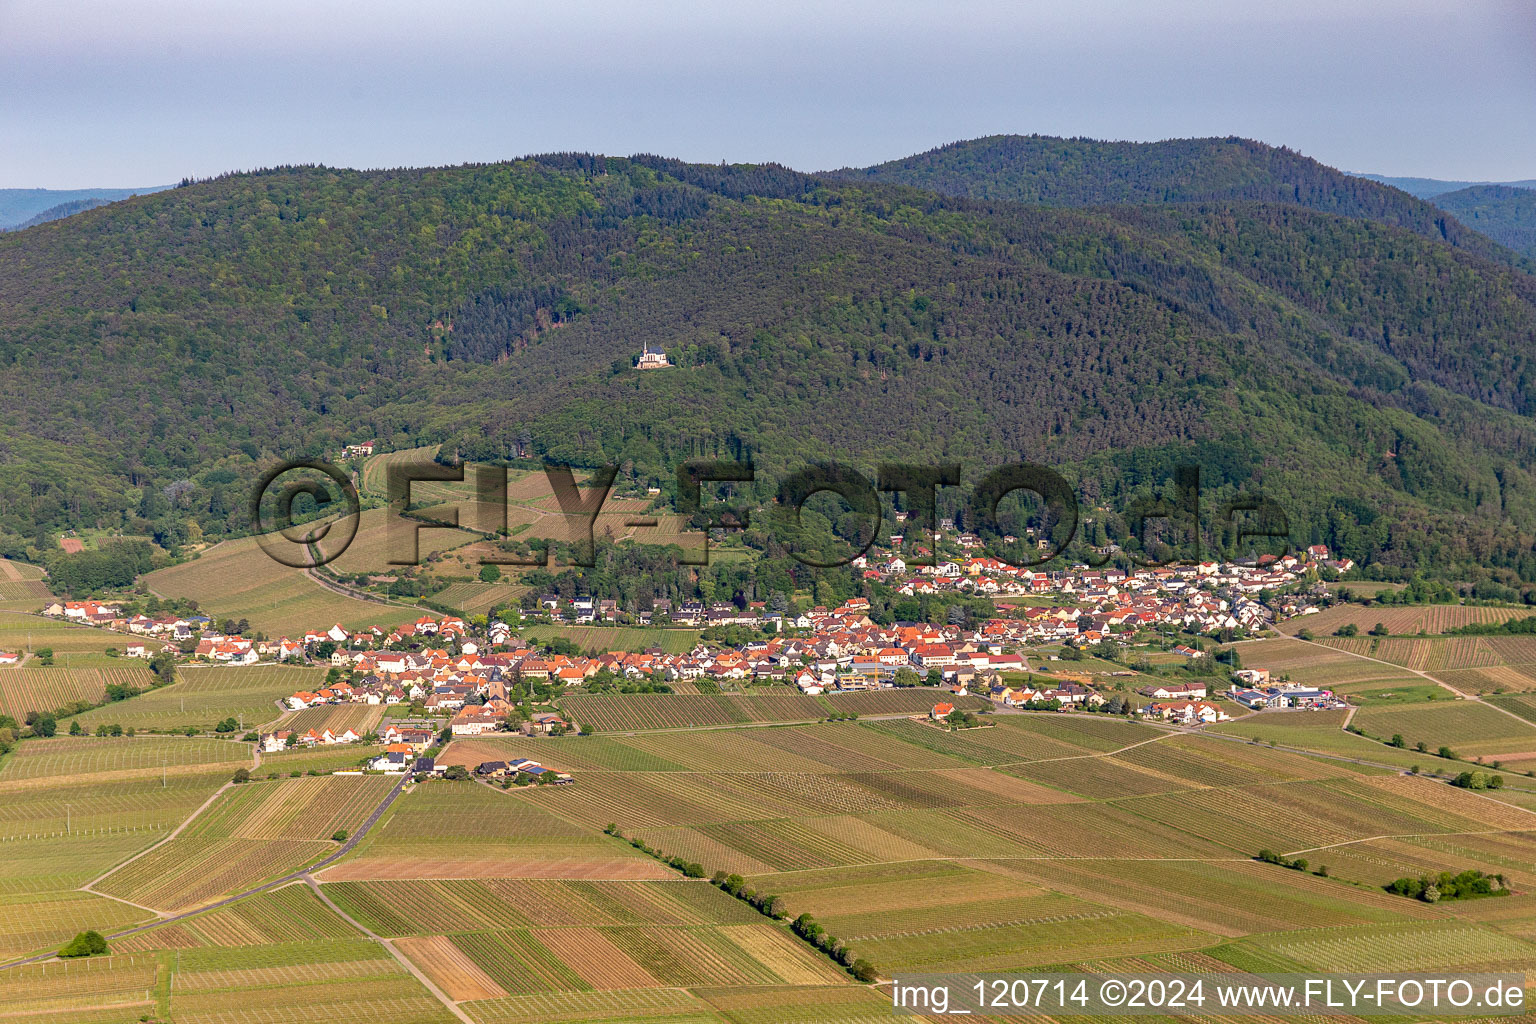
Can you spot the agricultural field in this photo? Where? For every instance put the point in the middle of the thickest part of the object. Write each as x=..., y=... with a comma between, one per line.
x=90, y=755
x=1041, y=839
x=360, y=718
x=12, y=571
x=25, y=689
x=288, y=913
x=639, y=711
x=373, y=479
x=917, y=700
x=351, y=981
x=485, y=939
x=1400, y=619
x=237, y=579
x=475, y=598
x=1402, y=947
x=1323, y=731
x=1342, y=664
x=324, y=759
x=382, y=537
x=1522, y=704
x=187, y=872
x=1467, y=727
x=24, y=596
x=203, y=697
x=105, y=989
x=467, y=830
x=597, y=639
x=73, y=645
x=303, y=808
x=48, y=920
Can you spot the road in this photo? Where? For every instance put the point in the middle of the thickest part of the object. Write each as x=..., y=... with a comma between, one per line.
x=294, y=876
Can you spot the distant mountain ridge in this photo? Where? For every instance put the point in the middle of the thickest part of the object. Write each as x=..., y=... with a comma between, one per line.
x=61, y=211
x=1079, y=172
x=1429, y=188
x=1504, y=213
x=1370, y=364
x=19, y=206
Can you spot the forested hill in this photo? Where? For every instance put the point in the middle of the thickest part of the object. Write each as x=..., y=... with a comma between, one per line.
x=155, y=352
x=1505, y=214
x=1087, y=172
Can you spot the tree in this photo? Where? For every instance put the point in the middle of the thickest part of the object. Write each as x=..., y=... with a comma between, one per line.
x=163, y=665
x=89, y=943
x=863, y=970
x=45, y=725
x=242, y=775
x=340, y=835
x=456, y=773
x=489, y=574
x=74, y=728
x=1398, y=741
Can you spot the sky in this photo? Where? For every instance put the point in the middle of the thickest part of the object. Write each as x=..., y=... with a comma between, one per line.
x=99, y=93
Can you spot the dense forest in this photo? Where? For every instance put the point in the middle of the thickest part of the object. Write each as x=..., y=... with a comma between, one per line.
x=1354, y=354
x=1505, y=214
x=1088, y=172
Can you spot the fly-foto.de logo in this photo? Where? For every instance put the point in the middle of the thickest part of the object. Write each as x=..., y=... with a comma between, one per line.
x=307, y=512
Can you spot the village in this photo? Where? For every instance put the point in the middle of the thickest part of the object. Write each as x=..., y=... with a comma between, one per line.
x=464, y=680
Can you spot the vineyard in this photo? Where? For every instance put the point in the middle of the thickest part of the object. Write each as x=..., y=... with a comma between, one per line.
x=1039, y=840
x=29, y=596
x=288, y=914
x=51, y=919
x=237, y=579
x=117, y=988
x=12, y=571
x=478, y=598
x=303, y=808
x=203, y=697
x=634, y=711
x=360, y=718
x=1522, y=704
x=1465, y=726
x=45, y=689
x=1399, y=619
x=1401, y=947
x=89, y=755
x=427, y=907
x=1095, y=934
x=347, y=992
x=905, y=701
x=187, y=872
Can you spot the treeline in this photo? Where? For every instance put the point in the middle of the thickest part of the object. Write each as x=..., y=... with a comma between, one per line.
x=1466, y=885
x=115, y=564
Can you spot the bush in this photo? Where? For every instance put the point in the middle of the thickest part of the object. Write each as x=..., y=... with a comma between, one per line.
x=339, y=836
x=242, y=775
x=863, y=970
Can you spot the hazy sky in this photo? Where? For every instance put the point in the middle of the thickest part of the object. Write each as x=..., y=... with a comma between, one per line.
x=140, y=92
